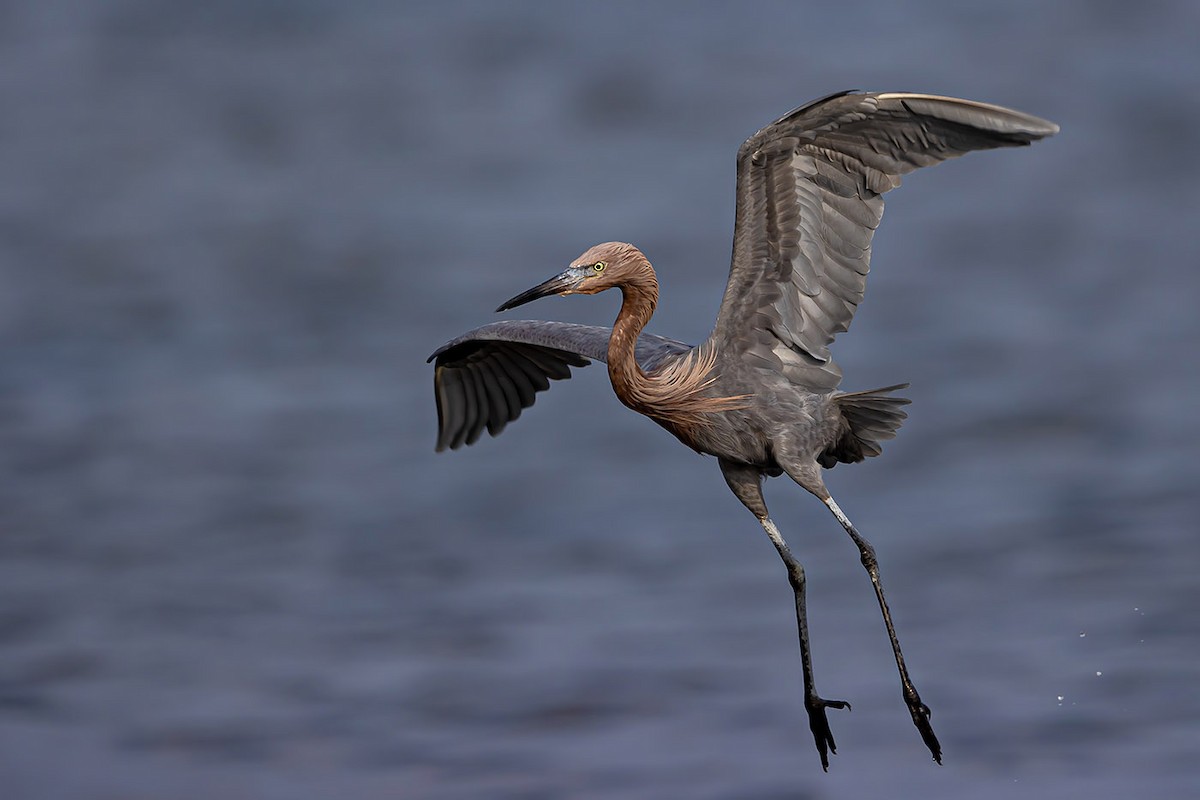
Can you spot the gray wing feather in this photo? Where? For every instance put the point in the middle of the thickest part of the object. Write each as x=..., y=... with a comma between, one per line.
x=809, y=197
x=486, y=377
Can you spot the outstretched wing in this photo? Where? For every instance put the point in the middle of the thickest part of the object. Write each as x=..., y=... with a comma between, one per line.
x=486, y=377
x=809, y=197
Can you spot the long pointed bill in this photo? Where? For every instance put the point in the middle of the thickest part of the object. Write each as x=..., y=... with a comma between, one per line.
x=562, y=283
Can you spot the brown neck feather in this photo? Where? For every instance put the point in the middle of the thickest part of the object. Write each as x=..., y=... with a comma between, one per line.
x=673, y=394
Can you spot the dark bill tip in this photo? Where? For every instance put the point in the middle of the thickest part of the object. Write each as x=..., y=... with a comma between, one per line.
x=556, y=285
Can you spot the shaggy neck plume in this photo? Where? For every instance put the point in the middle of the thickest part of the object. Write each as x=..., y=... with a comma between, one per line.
x=674, y=394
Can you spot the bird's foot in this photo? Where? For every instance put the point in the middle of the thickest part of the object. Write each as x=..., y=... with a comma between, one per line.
x=920, y=717
x=819, y=725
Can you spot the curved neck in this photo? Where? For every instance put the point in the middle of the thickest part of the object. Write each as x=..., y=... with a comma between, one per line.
x=639, y=296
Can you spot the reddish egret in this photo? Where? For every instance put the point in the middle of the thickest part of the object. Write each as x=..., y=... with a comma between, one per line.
x=760, y=393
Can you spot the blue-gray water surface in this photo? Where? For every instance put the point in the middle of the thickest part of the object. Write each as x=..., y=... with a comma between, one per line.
x=232, y=566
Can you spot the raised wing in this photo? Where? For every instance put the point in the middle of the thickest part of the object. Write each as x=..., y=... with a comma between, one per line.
x=486, y=377
x=809, y=197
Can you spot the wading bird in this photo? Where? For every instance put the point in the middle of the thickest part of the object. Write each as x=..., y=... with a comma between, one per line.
x=760, y=393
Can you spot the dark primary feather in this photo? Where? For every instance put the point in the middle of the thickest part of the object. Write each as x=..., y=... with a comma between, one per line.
x=809, y=197
x=486, y=377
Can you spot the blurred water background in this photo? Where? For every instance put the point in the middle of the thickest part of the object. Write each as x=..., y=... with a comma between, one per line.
x=232, y=566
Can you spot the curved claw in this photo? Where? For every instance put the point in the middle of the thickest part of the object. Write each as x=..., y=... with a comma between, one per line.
x=920, y=716
x=819, y=726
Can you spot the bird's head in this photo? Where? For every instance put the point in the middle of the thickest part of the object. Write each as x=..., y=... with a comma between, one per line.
x=601, y=267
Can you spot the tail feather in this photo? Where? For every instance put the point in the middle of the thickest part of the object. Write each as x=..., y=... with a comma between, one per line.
x=869, y=418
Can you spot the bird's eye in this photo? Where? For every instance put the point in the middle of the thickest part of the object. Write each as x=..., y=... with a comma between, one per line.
x=599, y=266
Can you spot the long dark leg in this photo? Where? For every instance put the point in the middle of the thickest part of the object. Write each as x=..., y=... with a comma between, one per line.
x=918, y=710
x=746, y=483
